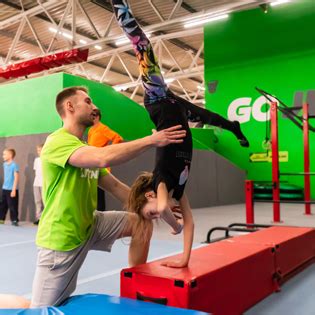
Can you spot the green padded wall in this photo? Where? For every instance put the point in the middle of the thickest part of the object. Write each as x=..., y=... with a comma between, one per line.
x=276, y=52
x=27, y=107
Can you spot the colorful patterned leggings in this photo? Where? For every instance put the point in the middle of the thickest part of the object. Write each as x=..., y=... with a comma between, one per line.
x=152, y=79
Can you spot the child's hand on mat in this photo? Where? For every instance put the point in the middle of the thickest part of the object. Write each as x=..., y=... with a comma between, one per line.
x=175, y=263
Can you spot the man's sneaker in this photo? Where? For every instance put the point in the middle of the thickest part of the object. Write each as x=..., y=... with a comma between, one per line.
x=1, y=221
x=15, y=223
x=36, y=222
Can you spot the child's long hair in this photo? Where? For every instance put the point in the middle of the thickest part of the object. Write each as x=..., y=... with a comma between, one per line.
x=137, y=201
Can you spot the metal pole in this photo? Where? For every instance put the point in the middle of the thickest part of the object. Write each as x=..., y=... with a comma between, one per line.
x=249, y=190
x=307, y=184
x=275, y=161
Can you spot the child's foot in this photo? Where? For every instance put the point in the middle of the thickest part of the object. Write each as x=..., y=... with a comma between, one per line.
x=239, y=134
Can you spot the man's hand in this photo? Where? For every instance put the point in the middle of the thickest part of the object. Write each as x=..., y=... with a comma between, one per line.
x=167, y=136
x=13, y=194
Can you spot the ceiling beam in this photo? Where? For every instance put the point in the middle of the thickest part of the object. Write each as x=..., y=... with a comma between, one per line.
x=31, y=12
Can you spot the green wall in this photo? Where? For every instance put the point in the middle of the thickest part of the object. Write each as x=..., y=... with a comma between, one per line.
x=276, y=52
x=28, y=107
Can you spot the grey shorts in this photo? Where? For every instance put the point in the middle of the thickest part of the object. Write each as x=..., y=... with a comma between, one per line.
x=57, y=271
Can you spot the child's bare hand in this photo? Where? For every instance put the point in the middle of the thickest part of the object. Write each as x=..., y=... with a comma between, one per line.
x=175, y=263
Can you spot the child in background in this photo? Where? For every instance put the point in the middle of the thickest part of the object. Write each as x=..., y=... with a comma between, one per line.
x=38, y=184
x=10, y=192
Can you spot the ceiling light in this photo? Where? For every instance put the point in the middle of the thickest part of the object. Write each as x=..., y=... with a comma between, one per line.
x=169, y=80
x=205, y=20
x=122, y=41
x=82, y=41
x=66, y=35
x=98, y=47
x=53, y=30
x=200, y=87
x=275, y=3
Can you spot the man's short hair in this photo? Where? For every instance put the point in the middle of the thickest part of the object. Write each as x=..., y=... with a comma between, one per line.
x=98, y=113
x=12, y=151
x=64, y=94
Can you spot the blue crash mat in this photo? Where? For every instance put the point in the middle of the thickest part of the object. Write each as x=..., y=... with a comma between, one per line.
x=98, y=304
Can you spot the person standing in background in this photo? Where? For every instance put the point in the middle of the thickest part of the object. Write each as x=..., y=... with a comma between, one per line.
x=100, y=135
x=10, y=192
x=38, y=184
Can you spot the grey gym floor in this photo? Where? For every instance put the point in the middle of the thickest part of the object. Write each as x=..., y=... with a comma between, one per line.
x=100, y=272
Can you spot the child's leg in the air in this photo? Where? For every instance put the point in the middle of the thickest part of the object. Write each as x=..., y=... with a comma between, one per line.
x=198, y=114
x=152, y=79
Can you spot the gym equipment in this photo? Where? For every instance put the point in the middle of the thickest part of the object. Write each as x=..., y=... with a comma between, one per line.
x=228, y=276
x=99, y=304
x=302, y=123
x=287, y=191
x=234, y=227
x=223, y=278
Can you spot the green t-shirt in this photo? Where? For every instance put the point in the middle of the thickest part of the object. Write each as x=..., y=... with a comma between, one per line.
x=69, y=195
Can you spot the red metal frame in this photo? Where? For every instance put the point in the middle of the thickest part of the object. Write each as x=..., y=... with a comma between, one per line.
x=249, y=193
x=249, y=190
x=275, y=161
x=307, y=184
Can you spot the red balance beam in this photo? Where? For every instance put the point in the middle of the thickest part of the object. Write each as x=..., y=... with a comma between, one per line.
x=222, y=278
x=294, y=246
x=226, y=277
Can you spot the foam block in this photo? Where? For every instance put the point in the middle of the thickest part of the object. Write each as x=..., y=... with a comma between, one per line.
x=294, y=246
x=99, y=304
x=222, y=278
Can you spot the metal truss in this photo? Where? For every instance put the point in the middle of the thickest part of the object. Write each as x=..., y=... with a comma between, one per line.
x=164, y=34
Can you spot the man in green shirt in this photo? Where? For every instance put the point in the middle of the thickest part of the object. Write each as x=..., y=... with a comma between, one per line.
x=69, y=225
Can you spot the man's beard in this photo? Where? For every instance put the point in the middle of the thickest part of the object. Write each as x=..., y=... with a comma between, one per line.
x=86, y=122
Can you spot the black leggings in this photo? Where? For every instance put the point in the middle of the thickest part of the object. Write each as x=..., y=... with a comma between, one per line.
x=11, y=203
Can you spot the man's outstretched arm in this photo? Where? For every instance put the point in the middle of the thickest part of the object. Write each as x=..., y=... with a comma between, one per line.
x=91, y=157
